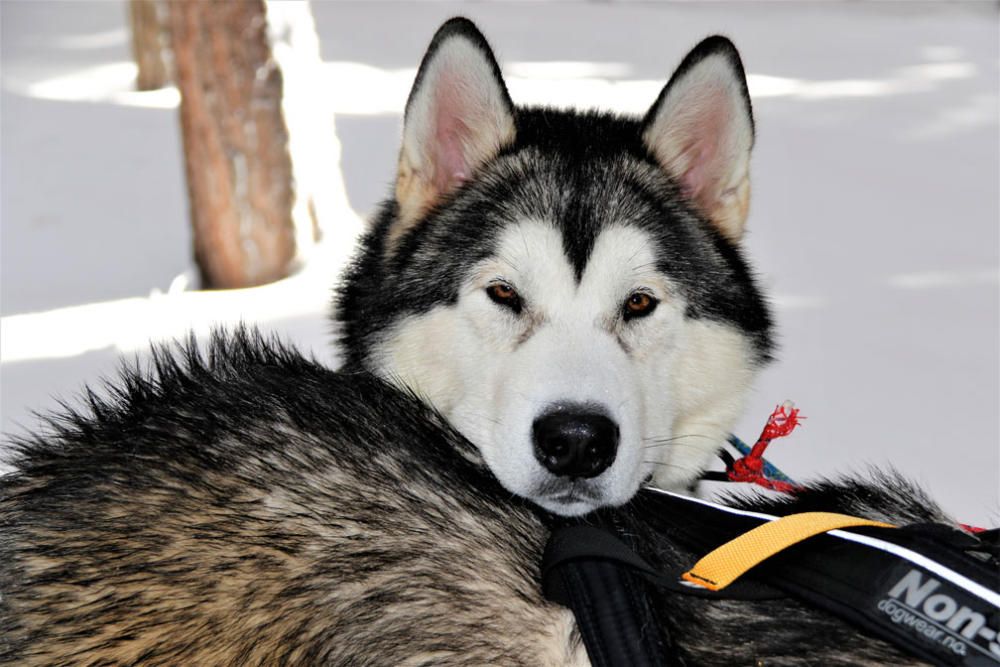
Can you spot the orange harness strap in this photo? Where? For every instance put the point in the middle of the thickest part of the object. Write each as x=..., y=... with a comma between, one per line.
x=727, y=563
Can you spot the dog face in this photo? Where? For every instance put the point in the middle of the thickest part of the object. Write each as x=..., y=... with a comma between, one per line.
x=566, y=288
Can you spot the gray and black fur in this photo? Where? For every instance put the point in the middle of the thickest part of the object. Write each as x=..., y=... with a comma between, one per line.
x=579, y=169
x=572, y=214
x=252, y=507
x=249, y=506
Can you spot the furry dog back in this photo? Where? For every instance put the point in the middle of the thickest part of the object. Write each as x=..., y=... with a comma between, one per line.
x=253, y=507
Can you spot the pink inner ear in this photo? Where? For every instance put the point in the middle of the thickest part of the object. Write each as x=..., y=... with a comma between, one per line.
x=695, y=177
x=450, y=163
x=701, y=160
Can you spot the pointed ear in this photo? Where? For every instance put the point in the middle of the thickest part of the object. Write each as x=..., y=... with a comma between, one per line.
x=458, y=116
x=701, y=131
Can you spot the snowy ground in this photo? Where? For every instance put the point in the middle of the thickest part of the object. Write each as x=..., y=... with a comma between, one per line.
x=874, y=221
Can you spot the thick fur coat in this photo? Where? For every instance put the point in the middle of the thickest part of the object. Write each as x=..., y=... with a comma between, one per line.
x=535, y=261
x=252, y=507
x=247, y=506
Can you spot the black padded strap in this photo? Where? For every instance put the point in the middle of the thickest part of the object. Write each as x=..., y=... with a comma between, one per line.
x=611, y=611
x=921, y=608
x=586, y=543
x=604, y=582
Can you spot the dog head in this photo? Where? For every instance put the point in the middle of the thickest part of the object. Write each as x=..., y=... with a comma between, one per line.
x=566, y=288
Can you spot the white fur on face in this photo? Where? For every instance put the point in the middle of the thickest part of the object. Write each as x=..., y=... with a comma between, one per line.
x=710, y=380
x=492, y=372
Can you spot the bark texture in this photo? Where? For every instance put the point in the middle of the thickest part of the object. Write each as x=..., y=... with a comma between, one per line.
x=239, y=172
x=148, y=44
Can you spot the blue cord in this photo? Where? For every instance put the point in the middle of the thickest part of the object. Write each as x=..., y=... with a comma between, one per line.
x=770, y=470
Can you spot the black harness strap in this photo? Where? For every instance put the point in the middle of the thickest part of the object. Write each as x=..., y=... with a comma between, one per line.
x=916, y=587
x=611, y=608
x=572, y=545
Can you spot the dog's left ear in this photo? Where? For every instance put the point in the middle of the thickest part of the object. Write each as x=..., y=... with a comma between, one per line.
x=458, y=116
x=701, y=131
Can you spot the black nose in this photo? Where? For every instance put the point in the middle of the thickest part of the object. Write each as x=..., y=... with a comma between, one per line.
x=575, y=443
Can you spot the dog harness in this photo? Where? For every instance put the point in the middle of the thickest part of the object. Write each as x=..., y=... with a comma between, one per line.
x=931, y=590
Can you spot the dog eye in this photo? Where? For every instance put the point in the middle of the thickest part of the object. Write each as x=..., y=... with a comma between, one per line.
x=639, y=304
x=504, y=295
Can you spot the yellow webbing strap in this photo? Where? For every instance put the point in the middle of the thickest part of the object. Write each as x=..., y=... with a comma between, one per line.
x=727, y=563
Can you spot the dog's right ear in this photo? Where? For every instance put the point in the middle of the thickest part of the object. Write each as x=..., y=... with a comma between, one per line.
x=458, y=116
x=701, y=131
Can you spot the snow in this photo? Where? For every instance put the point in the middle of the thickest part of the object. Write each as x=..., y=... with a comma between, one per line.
x=874, y=221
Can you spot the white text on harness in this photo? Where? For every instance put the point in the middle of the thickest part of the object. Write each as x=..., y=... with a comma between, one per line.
x=915, y=601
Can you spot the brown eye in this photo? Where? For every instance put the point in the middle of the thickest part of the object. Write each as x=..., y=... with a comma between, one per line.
x=504, y=295
x=639, y=304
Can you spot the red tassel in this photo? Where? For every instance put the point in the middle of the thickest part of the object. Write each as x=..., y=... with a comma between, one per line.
x=750, y=468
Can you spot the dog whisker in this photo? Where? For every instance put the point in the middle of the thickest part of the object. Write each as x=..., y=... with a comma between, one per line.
x=678, y=437
x=676, y=441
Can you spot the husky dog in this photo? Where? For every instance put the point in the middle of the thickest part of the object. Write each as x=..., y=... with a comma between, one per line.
x=252, y=507
x=554, y=292
x=567, y=288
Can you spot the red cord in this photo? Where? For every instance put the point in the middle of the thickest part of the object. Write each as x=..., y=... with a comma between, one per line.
x=750, y=468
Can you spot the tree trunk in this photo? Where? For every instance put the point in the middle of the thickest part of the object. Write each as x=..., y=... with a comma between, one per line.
x=239, y=172
x=148, y=44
